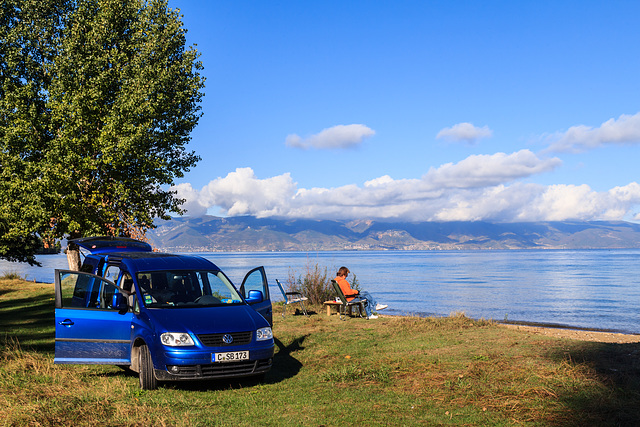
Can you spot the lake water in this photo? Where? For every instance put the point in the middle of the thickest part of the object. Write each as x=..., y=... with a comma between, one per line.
x=591, y=288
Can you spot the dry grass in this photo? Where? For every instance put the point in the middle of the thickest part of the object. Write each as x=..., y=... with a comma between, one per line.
x=34, y=391
x=391, y=371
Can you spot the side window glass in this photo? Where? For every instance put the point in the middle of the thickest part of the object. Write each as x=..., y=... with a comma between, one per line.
x=86, y=291
x=106, y=299
x=112, y=273
x=126, y=283
x=255, y=281
x=80, y=291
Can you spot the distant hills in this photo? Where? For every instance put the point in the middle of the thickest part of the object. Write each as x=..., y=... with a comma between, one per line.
x=246, y=233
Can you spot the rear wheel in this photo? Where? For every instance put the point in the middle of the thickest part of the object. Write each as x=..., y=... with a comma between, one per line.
x=148, y=380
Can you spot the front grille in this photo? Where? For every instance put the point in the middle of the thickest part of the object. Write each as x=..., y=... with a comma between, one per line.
x=215, y=340
x=223, y=369
x=229, y=368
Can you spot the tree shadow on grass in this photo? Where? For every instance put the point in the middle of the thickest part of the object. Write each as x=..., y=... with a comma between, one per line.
x=30, y=322
x=616, y=400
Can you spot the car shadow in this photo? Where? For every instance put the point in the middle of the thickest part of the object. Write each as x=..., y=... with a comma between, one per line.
x=615, y=403
x=285, y=366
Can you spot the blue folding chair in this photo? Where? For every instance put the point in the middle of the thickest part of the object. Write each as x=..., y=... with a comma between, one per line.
x=292, y=297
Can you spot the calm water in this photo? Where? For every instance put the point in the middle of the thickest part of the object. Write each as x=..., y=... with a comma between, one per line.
x=592, y=289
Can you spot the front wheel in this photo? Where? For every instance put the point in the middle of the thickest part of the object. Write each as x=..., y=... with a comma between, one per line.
x=148, y=380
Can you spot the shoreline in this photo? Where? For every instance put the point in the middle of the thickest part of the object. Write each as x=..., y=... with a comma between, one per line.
x=576, y=334
x=563, y=331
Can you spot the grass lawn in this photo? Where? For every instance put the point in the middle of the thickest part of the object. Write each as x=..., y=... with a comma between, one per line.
x=389, y=371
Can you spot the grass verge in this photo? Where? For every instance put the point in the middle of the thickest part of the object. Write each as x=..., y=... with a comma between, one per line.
x=393, y=370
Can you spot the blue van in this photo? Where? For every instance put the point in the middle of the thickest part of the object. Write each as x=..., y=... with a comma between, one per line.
x=167, y=317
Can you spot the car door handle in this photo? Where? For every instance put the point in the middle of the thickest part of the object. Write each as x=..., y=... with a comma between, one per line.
x=66, y=322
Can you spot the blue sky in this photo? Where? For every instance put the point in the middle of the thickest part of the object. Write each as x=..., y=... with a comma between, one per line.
x=417, y=110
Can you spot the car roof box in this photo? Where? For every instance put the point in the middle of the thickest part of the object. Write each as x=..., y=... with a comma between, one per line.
x=107, y=244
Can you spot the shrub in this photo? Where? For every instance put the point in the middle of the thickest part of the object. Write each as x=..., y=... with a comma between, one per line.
x=314, y=284
x=11, y=275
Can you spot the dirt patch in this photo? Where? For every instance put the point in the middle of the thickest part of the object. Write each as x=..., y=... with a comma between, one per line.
x=576, y=334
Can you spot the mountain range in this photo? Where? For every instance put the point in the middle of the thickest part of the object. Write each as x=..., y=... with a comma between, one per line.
x=247, y=233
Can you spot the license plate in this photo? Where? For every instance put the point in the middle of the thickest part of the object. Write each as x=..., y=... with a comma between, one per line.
x=231, y=356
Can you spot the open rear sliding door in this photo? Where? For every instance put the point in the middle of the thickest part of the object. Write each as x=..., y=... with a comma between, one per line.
x=92, y=326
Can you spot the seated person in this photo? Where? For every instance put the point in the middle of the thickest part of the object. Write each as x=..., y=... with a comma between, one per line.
x=350, y=294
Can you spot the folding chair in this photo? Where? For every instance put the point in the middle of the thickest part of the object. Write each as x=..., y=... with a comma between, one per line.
x=292, y=297
x=356, y=302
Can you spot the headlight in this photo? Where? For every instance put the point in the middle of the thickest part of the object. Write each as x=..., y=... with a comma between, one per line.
x=264, y=334
x=174, y=339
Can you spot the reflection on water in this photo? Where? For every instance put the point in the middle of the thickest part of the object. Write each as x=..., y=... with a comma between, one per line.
x=594, y=289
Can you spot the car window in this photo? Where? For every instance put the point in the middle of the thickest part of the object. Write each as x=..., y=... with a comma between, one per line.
x=87, y=291
x=186, y=287
x=253, y=282
x=125, y=281
x=112, y=273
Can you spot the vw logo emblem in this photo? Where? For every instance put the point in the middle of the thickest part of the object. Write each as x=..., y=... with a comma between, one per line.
x=227, y=338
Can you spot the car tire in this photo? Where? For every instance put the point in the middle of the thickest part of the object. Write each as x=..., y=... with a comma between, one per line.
x=148, y=380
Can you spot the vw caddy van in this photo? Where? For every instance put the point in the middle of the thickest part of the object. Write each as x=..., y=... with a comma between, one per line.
x=167, y=317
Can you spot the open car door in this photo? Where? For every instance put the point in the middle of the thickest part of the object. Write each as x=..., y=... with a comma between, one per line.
x=93, y=323
x=256, y=281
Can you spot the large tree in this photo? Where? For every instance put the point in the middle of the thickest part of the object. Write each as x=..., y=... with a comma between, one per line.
x=28, y=34
x=94, y=132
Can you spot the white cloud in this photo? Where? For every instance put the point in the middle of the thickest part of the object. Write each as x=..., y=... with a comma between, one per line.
x=464, y=132
x=486, y=170
x=561, y=202
x=341, y=136
x=625, y=130
x=192, y=205
x=476, y=188
x=241, y=193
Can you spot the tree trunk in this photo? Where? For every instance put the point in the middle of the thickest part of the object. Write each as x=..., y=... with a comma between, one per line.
x=73, y=257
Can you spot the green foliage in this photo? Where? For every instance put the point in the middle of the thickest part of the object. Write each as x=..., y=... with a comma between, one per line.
x=28, y=29
x=97, y=102
x=315, y=283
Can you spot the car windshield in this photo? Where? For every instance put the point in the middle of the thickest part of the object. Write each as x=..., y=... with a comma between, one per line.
x=180, y=288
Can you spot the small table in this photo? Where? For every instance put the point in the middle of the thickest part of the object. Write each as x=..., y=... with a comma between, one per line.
x=331, y=304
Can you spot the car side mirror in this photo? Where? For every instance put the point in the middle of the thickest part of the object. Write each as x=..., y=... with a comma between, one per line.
x=119, y=302
x=254, y=297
